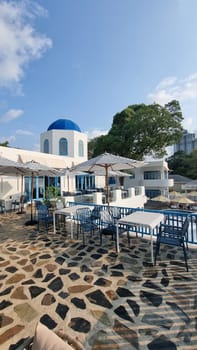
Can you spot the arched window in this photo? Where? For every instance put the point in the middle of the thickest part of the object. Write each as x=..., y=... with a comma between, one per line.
x=80, y=148
x=63, y=147
x=46, y=146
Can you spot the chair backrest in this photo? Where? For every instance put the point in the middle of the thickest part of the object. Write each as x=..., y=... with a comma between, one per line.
x=83, y=215
x=175, y=232
x=106, y=217
x=96, y=212
x=43, y=211
x=38, y=203
x=2, y=205
x=23, y=199
x=115, y=212
x=185, y=225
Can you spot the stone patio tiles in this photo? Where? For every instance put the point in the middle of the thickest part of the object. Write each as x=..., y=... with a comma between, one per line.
x=108, y=301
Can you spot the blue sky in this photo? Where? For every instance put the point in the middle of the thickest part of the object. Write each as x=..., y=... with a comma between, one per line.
x=87, y=60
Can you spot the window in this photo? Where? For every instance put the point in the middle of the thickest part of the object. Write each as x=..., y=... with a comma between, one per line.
x=63, y=147
x=80, y=148
x=152, y=175
x=85, y=182
x=165, y=174
x=46, y=146
x=152, y=193
x=40, y=183
x=112, y=180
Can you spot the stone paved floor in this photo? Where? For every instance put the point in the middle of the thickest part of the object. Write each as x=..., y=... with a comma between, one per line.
x=108, y=301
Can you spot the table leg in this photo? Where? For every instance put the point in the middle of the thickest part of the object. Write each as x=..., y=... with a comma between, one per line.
x=117, y=239
x=71, y=226
x=54, y=227
x=151, y=247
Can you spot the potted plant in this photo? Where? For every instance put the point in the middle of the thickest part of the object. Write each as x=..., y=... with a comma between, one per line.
x=51, y=195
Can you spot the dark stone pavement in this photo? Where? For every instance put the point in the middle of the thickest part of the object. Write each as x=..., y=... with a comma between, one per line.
x=108, y=301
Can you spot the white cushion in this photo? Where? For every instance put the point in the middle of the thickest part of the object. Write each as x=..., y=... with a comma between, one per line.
x=45, y=339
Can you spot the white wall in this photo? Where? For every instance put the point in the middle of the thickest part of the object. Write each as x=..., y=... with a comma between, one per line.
x=11, y=187
x=73, y=137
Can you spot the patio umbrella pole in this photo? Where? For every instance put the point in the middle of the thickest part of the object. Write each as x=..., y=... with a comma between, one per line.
x=21, y=205
x=31, y=221
x=106, y=183
x=68, y=184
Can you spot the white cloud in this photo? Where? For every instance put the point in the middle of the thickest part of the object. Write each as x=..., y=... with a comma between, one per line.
x=188, y=123
x=24, y=132
x=172, y=88
x=11, y=115
x=95, y=133
x=10, y=139
x=166, y=83
x=19, y=41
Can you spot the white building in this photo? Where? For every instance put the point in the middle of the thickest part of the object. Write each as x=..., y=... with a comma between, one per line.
x=153, y=175
x=64, y=137
x=187, y=144
x=64, y=145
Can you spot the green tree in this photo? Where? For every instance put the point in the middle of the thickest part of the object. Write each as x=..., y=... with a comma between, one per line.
x=184, y=164
x=141, y=130
x=4, y=144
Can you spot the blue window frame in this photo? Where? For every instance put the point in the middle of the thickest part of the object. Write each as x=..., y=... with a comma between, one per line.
x=46, y=146
x=63, y=147
x=80, y=148
x=112, y=180
x=152, y=193
x=85, y=182
x=152, y=175
x=39, y=185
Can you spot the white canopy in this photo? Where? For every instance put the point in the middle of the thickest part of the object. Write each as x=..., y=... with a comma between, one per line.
x=108, y=162
x=10, y=168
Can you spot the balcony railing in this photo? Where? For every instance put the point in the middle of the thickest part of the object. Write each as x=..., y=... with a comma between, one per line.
x=171, y=217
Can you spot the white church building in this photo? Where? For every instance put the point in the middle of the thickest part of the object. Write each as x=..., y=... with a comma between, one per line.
x=64, y=145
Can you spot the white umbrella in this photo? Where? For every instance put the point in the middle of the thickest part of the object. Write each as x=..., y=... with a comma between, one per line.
x=108, y=162
x=68, y=172
x=175, y=194
x=113, y=173
x=192, y=193
x=33, y=169
x=160, y=199
x=183, y=200
x=11, y=168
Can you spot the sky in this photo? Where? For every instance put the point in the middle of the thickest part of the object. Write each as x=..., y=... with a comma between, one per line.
x=88, y=60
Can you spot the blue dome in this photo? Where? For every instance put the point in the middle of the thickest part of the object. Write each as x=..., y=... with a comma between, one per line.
x=64, y=124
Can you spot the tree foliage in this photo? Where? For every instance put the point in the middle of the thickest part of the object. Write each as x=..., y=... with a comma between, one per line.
x=184, y=164
x=141, y=130
x=4, y=144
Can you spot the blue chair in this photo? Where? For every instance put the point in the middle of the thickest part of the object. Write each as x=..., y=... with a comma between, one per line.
x=2, y=206
x=108, y=225
x=85, y=222
x=173, y=236
x=115, y=212
x=44, y=217
x=95, y=215
x=23, y=200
